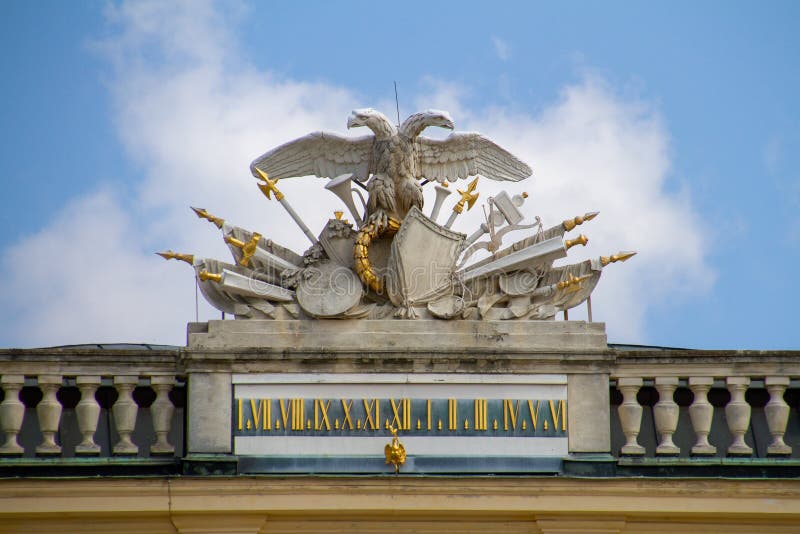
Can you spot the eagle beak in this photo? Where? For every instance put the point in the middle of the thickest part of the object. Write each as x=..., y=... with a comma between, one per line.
x=352, y=121
x=449, y=125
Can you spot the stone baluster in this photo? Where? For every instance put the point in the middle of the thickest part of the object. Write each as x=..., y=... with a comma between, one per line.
x=737, y=412
x=665, y=414
x=630, y=415
x=88, y=412
x=11, y=413
x=161, y=411
x=49, y=413
x=125, y=410
x=777, y=412
x=701, y=412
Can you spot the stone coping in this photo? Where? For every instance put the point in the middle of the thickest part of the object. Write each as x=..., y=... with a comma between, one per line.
x=393, y=335
x=391, y=346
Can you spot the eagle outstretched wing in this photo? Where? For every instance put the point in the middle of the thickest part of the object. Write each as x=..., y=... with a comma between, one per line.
x=462, y=155
x=322, y=154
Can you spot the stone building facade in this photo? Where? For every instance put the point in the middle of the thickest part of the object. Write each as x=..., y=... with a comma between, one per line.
x=273, y=426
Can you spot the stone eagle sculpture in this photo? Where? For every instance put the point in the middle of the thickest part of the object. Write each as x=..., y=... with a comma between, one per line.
x=397, y=261
x=395, y=158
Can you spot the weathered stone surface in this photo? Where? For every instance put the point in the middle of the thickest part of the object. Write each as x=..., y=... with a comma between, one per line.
x=369, y=336
x=588, y=414
x=209, y=413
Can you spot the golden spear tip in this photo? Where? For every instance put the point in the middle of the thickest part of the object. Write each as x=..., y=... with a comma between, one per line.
x=619, y=256
x=580, y=240
x=170, y=255
x=569, y=224
x=203, y=214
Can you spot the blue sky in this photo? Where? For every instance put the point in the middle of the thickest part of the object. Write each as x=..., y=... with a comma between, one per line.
x=680, y=119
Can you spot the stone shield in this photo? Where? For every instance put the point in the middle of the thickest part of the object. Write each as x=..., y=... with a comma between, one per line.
x=328, y=289
x=422, y=260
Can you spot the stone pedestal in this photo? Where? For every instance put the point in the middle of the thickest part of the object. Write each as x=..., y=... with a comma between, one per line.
x=520, y=366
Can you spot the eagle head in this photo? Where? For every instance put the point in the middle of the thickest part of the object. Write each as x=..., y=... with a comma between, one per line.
x=416, y=123
x=442, y=119
x=372, y=119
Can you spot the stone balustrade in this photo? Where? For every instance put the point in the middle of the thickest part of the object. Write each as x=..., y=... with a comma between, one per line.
x=724, y=405
x=82, y=402
x=129, y=403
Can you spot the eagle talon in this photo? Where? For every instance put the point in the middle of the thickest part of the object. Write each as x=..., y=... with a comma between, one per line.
x=380, y=220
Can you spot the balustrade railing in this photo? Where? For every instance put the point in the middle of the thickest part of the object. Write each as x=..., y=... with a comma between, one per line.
x=708, y=407
x=666, y=403
x=90, y=403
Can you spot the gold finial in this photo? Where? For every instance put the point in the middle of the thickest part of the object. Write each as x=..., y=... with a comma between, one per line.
x=269, y=186
x=248, y=249
x=203, y=214
x=573, y=283
x=619, y=256
x=206, y=276
x=524, y=194
x=338, y=214
x=445, y=184
x=569, y=224
x=468, y=196
x=395, y=451
x=580, y=240
x=169, y=255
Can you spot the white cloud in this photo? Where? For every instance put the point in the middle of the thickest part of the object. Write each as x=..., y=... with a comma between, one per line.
x=501, y=48
x=193, y=115
x=88, y=277
x=593, y=151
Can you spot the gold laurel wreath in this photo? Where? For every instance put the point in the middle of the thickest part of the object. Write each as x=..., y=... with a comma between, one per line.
x=363, y=266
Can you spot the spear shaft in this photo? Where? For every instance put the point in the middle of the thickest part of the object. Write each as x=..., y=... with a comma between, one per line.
x=269, y=187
